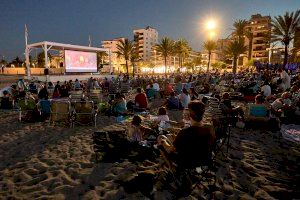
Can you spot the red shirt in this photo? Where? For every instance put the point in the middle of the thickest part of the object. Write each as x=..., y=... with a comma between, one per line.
x=141, y=100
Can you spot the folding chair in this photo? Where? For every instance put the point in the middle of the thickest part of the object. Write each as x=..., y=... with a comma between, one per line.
x=76, y=95
x=84, y=113
x=60, y=112
x=95, y=96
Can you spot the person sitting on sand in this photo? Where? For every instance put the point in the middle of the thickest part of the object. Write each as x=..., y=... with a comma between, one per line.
x=227, y=107
x=136, y=132
x=43, y=93
x=194, y=95
x=150, y=92
x=192, y=146
x=119, y=105
x=141, y=99
x=173, y=102
x=185, y=98
x=162, y=115
x=266, y=89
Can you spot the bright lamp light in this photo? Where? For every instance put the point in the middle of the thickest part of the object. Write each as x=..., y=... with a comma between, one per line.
x=211, y=24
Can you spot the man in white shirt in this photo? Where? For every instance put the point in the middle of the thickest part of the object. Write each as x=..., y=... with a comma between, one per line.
x=286, y=79
x=266, y=89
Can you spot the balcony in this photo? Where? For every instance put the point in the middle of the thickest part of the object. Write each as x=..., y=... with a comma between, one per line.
x=257, y=42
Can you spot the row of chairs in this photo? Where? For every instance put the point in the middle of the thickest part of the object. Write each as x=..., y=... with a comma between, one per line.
x=62, y=111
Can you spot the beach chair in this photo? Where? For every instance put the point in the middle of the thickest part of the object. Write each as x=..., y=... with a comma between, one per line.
x=76, y=95
x=258, y=113
x=84, y=113
x=60, y=111
x=95, y=96
x=187, y=177
x=258, y=116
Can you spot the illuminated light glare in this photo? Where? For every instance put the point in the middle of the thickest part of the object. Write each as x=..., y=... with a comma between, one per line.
x=212, y=34
x=211, y=24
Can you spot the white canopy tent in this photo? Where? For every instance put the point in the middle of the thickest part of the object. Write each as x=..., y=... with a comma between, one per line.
x=46, y=46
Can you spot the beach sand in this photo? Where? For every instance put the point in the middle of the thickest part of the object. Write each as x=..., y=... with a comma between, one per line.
x=39, y=161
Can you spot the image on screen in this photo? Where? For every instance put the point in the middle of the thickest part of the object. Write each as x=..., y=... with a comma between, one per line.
x=79, y=61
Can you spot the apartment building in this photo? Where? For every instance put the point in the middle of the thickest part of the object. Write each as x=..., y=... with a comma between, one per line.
x=112, y=45
x=296, y=44
x=145, y=39
x=260, y=26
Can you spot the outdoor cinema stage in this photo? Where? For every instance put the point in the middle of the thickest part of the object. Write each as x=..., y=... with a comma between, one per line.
x=76, y=58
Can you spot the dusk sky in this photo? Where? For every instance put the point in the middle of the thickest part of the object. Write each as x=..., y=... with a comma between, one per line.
x=72, y=21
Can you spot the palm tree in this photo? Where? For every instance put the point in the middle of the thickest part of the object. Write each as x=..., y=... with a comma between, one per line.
x=125, y=50
x=284, y=28
x=101, y=56
x=240, y=28
x=241, y=31
x=17, y=62
x=165, y=48
x=209, y=46
x=182, y=49
x=196, y=62
x=41, y=59
x=234, y=49
x=133, y=59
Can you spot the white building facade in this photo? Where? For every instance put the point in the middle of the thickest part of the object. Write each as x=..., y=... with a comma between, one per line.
x=117, y=63
x=145, y=39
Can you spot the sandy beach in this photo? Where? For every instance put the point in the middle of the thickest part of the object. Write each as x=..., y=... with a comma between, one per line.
x=39, y=161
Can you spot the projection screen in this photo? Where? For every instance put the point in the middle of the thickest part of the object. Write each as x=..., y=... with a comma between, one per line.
x=79, y=61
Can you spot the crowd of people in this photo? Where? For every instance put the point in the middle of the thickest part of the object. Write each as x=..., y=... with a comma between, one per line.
x=275, y=92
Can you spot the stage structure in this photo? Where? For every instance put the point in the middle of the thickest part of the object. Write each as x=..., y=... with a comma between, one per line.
x=47, y=46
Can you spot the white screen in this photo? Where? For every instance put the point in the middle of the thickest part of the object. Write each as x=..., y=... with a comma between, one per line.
x=78, y=61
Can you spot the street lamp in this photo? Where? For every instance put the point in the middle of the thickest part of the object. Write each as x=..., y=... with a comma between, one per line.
x=211, y=25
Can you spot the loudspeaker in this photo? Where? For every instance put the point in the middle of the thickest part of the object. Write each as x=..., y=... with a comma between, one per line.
x=46, y=71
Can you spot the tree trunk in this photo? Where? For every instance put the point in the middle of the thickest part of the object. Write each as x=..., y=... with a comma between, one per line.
x=286, y=54
x=133, y=69
x=234, y=64
x=126, y=62
x=208, y=64
x=166, y=66
x=250, y=49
